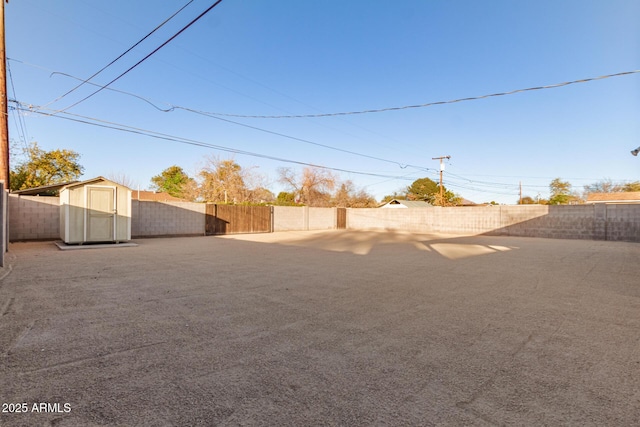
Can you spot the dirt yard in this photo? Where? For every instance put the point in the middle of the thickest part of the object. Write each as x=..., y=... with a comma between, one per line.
x=322, y=328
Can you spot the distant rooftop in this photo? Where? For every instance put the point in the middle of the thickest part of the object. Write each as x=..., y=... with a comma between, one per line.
x=396, y=203
x=621, y=197
x=152, y=196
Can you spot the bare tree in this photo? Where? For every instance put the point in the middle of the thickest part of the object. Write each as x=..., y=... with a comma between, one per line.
x=313, y=187
x=226, y=181
x=348, y=197
x=122, y=179
x=608, y=186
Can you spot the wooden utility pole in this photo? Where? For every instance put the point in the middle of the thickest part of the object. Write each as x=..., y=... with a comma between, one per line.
x=4, y=110
x=441, y=170
x=520, y=192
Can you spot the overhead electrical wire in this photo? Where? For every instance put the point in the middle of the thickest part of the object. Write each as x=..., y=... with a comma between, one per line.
x=84, y=81
x=170, y=108
x=158, y=135
x=428, y=104
x=21, y=126
x=148, y=101
x=401, y=165
x=216, y=116
x=172, y=138
x=145, y=58
x=488, y=183
x=190, y=110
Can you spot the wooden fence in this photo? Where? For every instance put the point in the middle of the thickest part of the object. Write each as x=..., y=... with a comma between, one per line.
x=341, y=218
x=232, y=219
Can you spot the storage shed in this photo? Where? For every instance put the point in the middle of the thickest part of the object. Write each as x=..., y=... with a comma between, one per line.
x=97, y=210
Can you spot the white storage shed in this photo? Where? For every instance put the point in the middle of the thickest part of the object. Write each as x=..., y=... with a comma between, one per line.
x=97, y=210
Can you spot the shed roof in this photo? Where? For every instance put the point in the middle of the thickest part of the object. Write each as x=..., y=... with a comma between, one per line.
x=93, y=181
x=43, y=190
x=620, y=197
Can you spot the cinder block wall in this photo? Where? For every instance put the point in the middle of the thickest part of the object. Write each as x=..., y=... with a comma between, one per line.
x=34, y=218
x=37, y=218
x=297, y=218
x=623, y=222
x=151, y=219
x=597, y=222
x=419, y=220
x=290, y=218
x=472, y=220
x=558, y=222
x=322, y=218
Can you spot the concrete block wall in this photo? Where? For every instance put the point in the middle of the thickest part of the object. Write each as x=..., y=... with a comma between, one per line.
x=151, y=219
x=418, y=220
x=623, y=222
x=296, y=218
x=475, y=220
x=33, y=218
x=289, y=218
x=558, y=222
x=597, y=222
x=37, y=218
x=322, y=218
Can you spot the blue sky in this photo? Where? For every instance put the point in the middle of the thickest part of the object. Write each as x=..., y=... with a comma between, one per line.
x=291, y=57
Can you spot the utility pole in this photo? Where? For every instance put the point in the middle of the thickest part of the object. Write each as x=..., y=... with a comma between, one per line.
x=441, y=170
x=520, y=192
x=4, y=110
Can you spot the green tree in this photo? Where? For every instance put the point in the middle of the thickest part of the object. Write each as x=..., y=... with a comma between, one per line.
x=428, y=190
x=174, y=181
x=631, y=186
x=527, y=200
x=423, y=189
x=561, y=193
x=42, y=167
x=286, y=199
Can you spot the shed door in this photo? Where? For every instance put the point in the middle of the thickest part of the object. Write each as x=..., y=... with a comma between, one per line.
x=100, y=214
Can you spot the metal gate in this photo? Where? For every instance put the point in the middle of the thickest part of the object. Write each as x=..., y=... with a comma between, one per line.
x=233, y=219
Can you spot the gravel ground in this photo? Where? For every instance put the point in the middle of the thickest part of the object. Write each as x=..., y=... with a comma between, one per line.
x=322, y=328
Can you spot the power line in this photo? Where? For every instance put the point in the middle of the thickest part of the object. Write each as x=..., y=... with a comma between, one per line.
x=146, y=57
x=20, y=123
x=300, y=139
x=158, y=135
x=173, y=107
x=429, y=104
x=120, y=56
x=191, y=110
x=492, y=184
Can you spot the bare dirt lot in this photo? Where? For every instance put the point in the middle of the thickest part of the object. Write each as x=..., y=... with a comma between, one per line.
x=322, y=328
